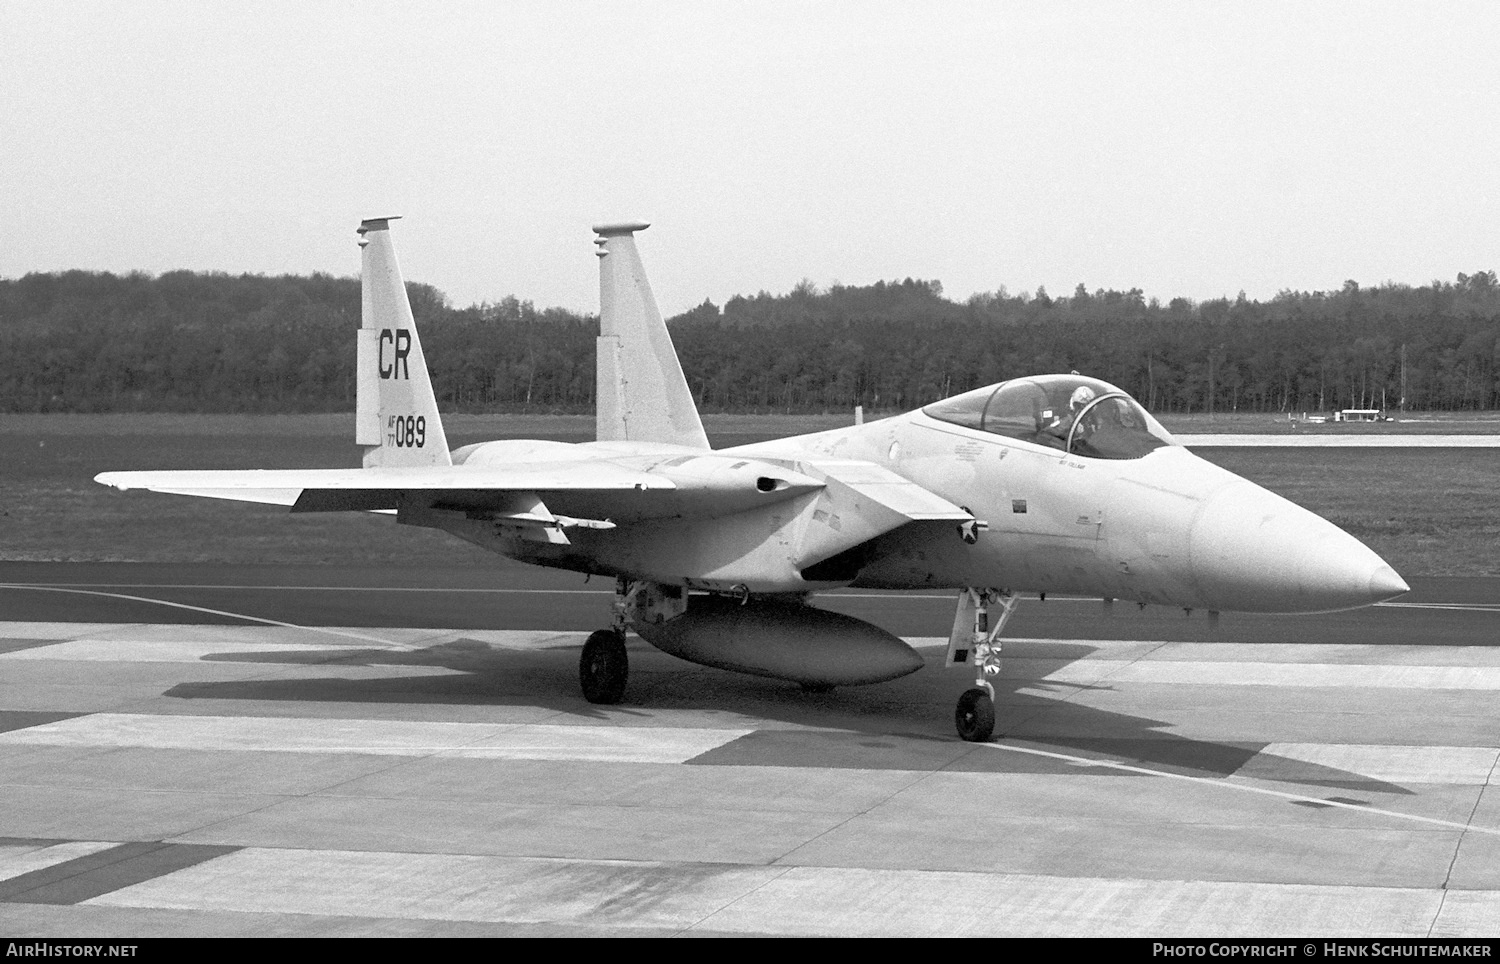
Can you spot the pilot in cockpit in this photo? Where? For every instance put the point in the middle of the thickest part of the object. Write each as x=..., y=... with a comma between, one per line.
x=1056, y=425
x=1103, y=421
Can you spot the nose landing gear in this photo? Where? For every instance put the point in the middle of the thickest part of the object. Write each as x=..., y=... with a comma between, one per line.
x=974, y=641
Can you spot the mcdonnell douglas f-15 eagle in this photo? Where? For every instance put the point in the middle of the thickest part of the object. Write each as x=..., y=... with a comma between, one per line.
x=1052, y=483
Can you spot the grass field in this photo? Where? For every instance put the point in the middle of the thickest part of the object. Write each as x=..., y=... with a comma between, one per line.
x=1440, y=423
x=1427, y=511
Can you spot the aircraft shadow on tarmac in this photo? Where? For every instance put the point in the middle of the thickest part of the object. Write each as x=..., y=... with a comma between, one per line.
x=899, y=725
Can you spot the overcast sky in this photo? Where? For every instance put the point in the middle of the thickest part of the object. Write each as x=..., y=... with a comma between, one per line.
x=1189, y=149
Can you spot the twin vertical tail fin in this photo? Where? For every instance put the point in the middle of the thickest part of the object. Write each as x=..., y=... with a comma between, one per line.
x=641, y=393
x=395, y=414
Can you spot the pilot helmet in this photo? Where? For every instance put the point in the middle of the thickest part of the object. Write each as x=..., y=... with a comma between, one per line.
x=1082, y=395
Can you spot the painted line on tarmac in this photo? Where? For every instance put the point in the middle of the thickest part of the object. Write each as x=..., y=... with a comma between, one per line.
x=1223, y=784
x=202, y=609
x=1456, y=607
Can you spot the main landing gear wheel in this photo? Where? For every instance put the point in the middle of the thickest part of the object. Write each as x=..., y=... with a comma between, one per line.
x=975, y=716
x=603, y=668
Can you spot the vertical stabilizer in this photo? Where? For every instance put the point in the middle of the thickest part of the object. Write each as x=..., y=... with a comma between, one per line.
x=640, y=391
x=395, y=414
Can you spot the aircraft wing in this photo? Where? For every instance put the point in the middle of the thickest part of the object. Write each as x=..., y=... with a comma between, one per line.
x=335, y=490
x=526, y=492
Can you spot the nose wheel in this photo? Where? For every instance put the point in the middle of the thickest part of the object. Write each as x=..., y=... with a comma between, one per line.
x=603, y=668
x=975, y=716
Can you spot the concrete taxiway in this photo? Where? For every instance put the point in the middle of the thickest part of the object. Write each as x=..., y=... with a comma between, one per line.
x=178, y=770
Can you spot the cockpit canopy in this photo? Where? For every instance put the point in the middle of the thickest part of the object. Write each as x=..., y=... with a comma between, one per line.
x=1081, y=416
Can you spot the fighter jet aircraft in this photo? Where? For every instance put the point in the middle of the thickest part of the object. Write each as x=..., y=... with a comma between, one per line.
x=1056, y=483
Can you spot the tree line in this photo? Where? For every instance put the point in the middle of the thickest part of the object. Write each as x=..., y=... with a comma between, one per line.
x=79, y=341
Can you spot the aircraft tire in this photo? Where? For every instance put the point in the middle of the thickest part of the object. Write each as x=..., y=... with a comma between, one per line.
x=603, y=667
x=975, y=716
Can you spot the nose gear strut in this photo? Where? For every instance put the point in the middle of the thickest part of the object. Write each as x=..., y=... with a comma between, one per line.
x=975, y=640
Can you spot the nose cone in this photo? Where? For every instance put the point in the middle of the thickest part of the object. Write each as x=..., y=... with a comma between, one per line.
x=1252, y=551
x=1386, y=584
